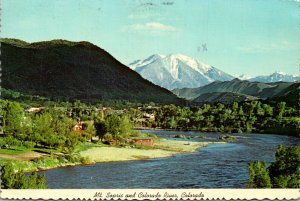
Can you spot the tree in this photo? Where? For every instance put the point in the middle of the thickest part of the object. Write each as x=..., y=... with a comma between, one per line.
x=7, y=176
x=18, y=180
x=235, y=106
x=285, y=171
x=101, y=128
x=268, y=110
x=113, y=125
x=12, y=116
x=259, y=176
x=125, y=125
x=281, y=110
x=43, y=132
x=118, y=126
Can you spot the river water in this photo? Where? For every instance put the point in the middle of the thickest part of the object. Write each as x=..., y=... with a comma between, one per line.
x=215, y=166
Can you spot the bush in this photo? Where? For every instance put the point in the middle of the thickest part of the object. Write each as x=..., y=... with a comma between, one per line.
x=85, y=160
x=9, y=141
x=135, y=134
x=72, y=158
x=61, y=158
x=29, y=144
x=41, y=160
x=108, y=137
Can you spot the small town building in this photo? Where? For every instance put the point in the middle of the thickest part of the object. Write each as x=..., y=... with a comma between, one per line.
x=35, y=109
x=149, y=116
x=80, y=126
x=145, y=141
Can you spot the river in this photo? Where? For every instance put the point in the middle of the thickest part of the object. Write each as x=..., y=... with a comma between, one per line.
x=214, y=166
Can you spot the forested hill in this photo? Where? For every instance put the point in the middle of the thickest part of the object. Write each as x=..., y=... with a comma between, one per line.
x=74, y=70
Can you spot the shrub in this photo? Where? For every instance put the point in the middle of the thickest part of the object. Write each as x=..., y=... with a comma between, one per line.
x=9, y=141
x=108, y=137
x=72, y=158
x=85, y=160
x=29, y=144
x=61, y=158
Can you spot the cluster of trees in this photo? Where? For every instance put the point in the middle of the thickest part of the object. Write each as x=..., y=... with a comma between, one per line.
x=244, y=117
x=18, y=180
x=51, y=128
x=283, y=173
x=113, y=128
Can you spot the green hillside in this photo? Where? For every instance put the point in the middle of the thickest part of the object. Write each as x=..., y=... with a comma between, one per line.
x=290, y=95
x=74, y=70
x=223, y=97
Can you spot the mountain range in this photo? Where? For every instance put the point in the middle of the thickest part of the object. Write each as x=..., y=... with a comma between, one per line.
x=276, y=77
x=239, y=90
x=181, y=71
x=74, y=70
x=177, y=71
x=68, y=70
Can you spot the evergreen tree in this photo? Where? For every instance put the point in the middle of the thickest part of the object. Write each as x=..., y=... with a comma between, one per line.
x=259, y=176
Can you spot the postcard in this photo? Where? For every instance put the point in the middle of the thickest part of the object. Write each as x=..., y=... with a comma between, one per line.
x=150, y=99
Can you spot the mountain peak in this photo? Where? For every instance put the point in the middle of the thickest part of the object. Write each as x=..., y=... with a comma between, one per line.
x=139, y=62
x=177, y=71
x=279, y=73
x=180, y=56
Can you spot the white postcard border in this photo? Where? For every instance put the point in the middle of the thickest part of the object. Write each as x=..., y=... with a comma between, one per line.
x=153, y=194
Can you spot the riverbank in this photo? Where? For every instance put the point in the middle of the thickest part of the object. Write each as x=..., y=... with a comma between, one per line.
x=276, y=131
x=98, y=154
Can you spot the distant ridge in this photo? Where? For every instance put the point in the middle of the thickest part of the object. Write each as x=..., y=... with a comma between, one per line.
x=74, y=70
x=243, y=90
x=274, y=77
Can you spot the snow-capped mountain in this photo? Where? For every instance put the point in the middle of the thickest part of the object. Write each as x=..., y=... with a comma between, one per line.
x=276, y=77
x=177, y=71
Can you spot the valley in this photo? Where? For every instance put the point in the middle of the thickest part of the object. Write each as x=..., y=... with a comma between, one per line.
x=71, y=104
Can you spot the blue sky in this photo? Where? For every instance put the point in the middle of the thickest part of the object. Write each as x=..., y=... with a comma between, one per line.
x=250, y=37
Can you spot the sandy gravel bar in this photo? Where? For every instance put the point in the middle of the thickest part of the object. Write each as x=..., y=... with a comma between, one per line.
x=180, y=146
x=163, y=148
x=108, y=154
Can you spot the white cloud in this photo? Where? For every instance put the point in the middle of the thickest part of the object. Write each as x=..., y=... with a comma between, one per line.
x=150, y=27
